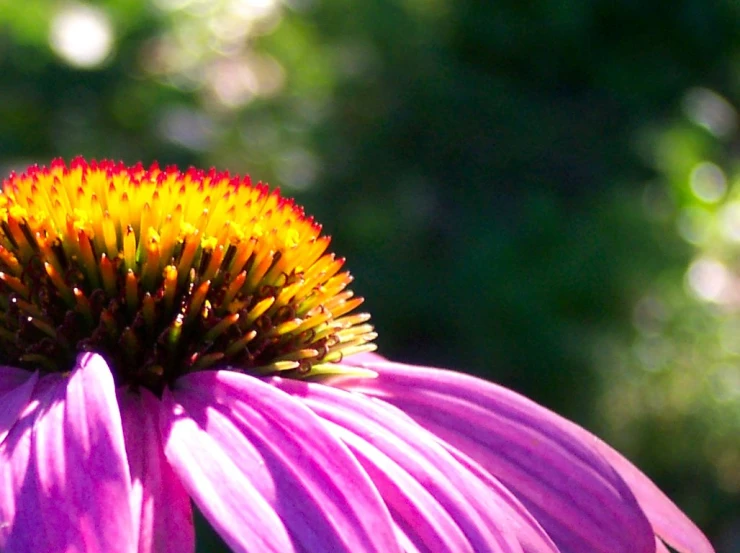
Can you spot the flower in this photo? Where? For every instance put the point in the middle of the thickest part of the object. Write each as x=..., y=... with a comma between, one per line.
x=169, y=337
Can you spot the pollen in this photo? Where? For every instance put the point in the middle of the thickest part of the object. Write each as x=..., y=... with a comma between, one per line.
x=166, y=272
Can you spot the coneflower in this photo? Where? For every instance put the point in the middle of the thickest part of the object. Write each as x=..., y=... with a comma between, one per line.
x=168, y=336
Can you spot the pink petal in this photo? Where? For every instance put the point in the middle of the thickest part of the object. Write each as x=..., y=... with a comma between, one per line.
x=15, y=453
x=222, y=488
x=529, y=532
x=309, y=478
x=669, y=522
x=73, y=494
x=576, y=496
x=11, y=378
x=421, y=518
x=15, y=391
x=359, y=359
x=162, y=515
x=440, y=505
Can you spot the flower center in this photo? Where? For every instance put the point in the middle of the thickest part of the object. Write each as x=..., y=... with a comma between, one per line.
x=164, y=273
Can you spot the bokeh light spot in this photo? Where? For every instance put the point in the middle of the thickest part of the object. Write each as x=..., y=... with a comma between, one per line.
x=708, y=279
x=81, y=35
x=708, y=182
x=730, y=221
x=187, y=127
x=708, y=109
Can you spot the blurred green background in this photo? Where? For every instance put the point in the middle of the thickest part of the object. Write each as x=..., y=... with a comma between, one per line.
x=545, y=193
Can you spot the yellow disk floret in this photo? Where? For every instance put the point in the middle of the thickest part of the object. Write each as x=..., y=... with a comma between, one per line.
x=165, y=272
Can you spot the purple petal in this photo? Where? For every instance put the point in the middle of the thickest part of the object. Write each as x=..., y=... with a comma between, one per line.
x=360, y=359
x=529, y=532
x=11, y=378
x=669, y=522
x=163, y=518
x=15, y=391
x=308, y=477
x=221, y=488
x=577, y=497
x=439, y=504
x=64, y=467
x=14, y=462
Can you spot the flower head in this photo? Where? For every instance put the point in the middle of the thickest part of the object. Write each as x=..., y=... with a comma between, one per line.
x=166, y=273
x=171, y=336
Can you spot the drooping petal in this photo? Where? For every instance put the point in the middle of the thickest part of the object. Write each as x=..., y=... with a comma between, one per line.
x=73, y=493
x=668, y=521
x=15, y=453
x=306, y=476
x=163, y=518
x=11, y=378
x=220, y=487
x=15, y=391
x=440, y=504
x=573, y=492
x=529, y=532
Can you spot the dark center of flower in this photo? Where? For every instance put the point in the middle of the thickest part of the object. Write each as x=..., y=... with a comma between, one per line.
x=164, y=273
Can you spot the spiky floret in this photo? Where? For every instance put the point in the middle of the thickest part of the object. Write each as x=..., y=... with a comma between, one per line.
x=165, y=272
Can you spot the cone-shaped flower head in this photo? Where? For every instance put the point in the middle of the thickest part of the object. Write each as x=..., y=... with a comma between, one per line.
x=170, y=337
x=166, y=273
